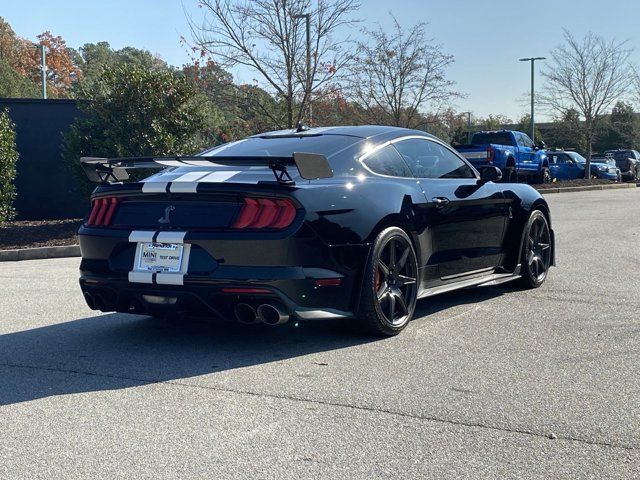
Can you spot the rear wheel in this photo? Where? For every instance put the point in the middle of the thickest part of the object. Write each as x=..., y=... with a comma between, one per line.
x=544, y=176
x=536, y=250
x=390, y=284
x=510, y=174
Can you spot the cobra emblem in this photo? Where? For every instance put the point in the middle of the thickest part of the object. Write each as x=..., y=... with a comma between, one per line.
x=167, y=214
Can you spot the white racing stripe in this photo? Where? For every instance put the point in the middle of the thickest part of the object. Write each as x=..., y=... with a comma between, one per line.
x=170, y=237
x=154, y=187
x=170, y=278
x=191, y=176
x=184, y=187
x=218, y=176
x=140, y=277
x=138, y=236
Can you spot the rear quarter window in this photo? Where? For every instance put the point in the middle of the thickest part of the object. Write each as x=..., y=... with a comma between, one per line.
x=387, y=161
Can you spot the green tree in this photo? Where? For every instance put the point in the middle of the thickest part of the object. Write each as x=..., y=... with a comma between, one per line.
x=93, y=58
x=8, y=159
x=240, y=110
x=620, y=130
x=133, y=111
x=14, y=85
x=524, y=125
x=493, y=122
x=568, y=132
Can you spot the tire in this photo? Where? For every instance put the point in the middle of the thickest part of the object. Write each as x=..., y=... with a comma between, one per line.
x=544, y=176
x=536, y=250
x=510, y=174
x=389, y=287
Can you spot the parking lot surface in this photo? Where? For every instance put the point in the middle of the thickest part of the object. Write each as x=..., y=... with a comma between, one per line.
x=486, y=383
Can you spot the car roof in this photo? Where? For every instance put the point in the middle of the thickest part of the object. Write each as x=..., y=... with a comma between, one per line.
x=359, y=131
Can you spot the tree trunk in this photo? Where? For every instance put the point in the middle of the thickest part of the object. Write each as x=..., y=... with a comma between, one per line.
x=587, y=165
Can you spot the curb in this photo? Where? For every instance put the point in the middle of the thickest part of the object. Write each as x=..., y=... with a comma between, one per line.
x=586, y=188
x=39, y=253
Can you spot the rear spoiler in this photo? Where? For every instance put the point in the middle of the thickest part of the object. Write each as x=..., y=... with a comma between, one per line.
x=311, y=166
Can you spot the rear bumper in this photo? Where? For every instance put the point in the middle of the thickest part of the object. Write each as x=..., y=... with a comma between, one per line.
x=288, y=271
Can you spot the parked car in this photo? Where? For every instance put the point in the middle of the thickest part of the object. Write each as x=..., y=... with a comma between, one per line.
x=568, y=165
x=257, y=231
x=512, y=152
x=628, y=161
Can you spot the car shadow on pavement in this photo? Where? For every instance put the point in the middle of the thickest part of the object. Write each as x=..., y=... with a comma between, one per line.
x=116, y=351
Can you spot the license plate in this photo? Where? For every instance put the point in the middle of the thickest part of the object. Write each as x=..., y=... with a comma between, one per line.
x=159, y=257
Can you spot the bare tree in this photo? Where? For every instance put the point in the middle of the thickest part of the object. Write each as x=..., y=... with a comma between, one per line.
x=264, y=36
x=587, y=76
x=396, y=75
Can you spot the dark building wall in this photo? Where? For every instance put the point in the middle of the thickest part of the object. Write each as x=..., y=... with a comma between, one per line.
x=45, y=189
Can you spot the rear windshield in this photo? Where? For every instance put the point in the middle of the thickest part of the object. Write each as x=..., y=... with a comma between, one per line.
x=621, y=154
x=497, y=138
x=327, y=145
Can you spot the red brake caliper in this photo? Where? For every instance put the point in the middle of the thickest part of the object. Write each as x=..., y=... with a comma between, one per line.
x=376, y=279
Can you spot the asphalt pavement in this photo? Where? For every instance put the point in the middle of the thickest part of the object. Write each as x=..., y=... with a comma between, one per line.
x=487, y=383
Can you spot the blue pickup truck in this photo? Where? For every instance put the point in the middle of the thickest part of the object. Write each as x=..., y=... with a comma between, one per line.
x=512, y=152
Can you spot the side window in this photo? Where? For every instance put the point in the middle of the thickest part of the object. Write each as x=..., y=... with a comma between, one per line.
x=519, y=140
x=428, y=159
x=387, y=161
x=526, y=141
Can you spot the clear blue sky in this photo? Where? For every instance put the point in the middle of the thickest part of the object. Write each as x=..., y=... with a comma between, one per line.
x=485, y=36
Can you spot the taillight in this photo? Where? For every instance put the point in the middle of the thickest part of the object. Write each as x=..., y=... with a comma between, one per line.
x=102, y=211
x=265, y=213
x=490, y=154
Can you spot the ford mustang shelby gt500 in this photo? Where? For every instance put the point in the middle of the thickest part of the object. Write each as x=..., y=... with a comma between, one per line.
x=338, y=222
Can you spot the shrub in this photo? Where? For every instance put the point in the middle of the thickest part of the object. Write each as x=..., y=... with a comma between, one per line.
x=8, y=159
x=132, y=111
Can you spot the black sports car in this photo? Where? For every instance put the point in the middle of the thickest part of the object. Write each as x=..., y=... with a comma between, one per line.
x=339, y=222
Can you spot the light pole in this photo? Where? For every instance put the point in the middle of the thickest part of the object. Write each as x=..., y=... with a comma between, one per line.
x=533, y=122
x=468, y=126
x=307, y=18
x=43, y=68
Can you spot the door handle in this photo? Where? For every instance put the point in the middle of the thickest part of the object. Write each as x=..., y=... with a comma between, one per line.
x=440, y=202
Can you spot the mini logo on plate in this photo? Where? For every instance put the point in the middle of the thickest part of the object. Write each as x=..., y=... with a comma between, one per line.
x=167, y=214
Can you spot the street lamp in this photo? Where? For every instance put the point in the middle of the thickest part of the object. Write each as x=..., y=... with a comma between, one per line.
x=307, y=18
x=533, y=123
x=43, y=68
x=468, y=126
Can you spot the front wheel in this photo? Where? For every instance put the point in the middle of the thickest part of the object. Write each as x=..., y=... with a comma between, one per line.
x=390, y=284
x=536, y=250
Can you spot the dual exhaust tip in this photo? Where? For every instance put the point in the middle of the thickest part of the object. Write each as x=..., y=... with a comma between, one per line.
x=265, y=313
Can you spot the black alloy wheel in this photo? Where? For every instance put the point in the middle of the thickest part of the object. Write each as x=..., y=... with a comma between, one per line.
x=536, y=250
x=390, y=287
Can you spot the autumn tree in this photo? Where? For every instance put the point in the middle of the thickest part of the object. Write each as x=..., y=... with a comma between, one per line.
x=266, y=37
x=587, y=75
x=450, y=126
x=397, y=75
x=62, y=72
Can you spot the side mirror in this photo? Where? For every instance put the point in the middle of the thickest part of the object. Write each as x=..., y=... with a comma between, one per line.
x=490, y=174
x=540, y=145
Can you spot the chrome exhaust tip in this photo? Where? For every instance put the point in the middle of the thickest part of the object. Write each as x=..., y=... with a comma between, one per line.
x=245, y=314
x=99, y=303
x=90, y=301
x=272, y=314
